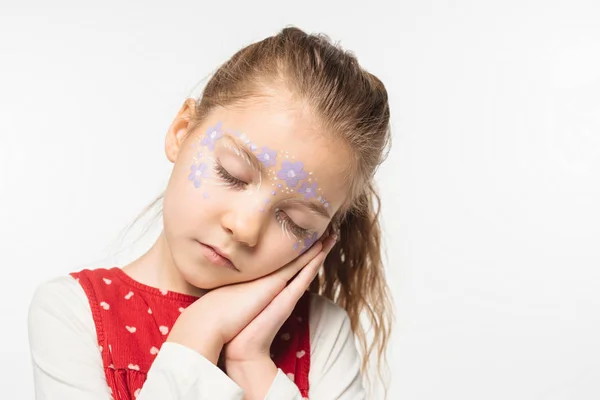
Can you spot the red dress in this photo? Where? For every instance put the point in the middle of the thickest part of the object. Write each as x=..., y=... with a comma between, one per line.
x=133, y=320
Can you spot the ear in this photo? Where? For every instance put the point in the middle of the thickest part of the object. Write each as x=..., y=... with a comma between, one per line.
x=178, y=130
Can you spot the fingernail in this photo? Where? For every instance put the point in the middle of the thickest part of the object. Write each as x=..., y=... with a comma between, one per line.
x=331, y=242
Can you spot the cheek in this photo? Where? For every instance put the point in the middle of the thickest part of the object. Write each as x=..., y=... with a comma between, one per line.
x=279, y=248
x=190, y=197
x=182, y=208
x=275, y=252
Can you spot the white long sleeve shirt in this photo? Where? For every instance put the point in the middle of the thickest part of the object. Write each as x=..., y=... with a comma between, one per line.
x=67, y=363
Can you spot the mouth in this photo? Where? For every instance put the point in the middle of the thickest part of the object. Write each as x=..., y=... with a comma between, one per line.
x=216, y=256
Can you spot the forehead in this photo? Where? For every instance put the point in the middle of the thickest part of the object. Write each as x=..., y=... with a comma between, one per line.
x=294, y=137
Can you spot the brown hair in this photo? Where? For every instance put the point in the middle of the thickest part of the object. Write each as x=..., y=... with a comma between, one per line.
x=352, y=105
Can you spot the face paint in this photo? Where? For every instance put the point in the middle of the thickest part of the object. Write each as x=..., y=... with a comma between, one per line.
x=267, y=157
x=308, y=190
x=197, y=173
x=267, y=201
x=240, y=154
x=296, y=181
x=212, y=135
x=292, y=173
x=309, y=241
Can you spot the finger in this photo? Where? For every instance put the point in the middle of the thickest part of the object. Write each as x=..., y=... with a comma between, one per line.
x=272, y=284
x=289, y=270
x=282, y=305
x=328, y=244
x=302, y=281
x=280, y=308
x=267, y=287
x=272, y=317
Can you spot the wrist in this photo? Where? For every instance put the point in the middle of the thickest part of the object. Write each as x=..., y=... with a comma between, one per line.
x=207, y=343
x=254, y=376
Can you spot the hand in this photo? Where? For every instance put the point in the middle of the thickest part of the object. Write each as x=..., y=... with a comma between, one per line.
x=218, y=316
x=254, y=341
x=247, y=356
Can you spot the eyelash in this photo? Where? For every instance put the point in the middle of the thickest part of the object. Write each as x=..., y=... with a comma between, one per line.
x=231, y=180
x=281, y=217
x=290, y=225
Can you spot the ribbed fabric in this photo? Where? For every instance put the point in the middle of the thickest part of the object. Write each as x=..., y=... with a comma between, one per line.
x=133, y=320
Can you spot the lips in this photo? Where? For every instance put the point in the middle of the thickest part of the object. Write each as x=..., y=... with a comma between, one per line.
x=216, y=256
x=219, y=252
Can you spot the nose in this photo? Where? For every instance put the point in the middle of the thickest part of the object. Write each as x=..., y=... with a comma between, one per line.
x=243, y=223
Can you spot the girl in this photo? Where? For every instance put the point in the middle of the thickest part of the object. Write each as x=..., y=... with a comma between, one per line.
x=271, y=194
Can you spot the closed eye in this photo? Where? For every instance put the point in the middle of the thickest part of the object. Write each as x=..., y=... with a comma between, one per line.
x=289, y=225
x=231, y=180
x=286, y=222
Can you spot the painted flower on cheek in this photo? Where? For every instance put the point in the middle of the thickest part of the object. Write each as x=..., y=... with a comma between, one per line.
x=308, y=242
x=292, y=173
x=267, y=157
x=212, y=135
x=197, y=173
x=308, y=190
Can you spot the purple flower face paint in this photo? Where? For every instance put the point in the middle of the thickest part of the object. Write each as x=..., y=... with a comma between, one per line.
x=267, y=157
x=212, y=135
x=197, y=173
x=248, y=142
x=308, y=190
x=309, y=241
x=292, y=173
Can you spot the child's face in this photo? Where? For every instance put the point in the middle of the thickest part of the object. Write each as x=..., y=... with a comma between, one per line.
x=261, y=185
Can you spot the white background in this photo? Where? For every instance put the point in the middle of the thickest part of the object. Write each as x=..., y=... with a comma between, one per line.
x=490, y=193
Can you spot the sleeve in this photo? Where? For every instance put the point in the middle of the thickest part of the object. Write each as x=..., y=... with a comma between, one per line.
x=67, y=363
x=283, y=388
x=334, y=360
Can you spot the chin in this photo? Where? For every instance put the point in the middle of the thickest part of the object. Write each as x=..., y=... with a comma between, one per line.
x=202, y=276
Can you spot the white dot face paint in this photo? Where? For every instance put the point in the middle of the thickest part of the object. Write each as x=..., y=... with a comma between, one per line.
x=287, y=176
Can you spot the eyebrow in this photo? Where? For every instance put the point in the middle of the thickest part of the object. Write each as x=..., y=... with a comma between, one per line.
x=248, y=154
x=317, y=208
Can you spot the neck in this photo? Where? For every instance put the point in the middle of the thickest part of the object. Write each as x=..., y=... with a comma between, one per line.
x=156, y=268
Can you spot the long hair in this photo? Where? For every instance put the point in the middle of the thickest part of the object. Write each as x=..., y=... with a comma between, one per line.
x=351, y=105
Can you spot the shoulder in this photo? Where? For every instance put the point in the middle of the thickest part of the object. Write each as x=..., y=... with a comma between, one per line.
x=326, y=318
x=60, y=290
x=64, y=349
x=62, y=301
